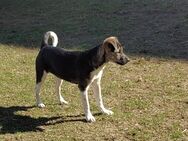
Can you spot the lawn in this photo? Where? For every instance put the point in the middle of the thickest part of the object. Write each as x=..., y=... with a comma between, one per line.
x=148, y=96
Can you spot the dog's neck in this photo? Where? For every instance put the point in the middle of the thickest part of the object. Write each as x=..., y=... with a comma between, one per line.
x=97, y=57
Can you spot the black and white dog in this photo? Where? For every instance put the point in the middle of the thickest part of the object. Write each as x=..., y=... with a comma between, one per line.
x=82, y=68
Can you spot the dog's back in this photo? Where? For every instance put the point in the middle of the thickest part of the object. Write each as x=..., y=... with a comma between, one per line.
x=59, y=62
x=67, y=65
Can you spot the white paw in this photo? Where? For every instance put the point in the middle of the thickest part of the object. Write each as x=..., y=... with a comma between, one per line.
x=62, y=101
x=90, y=118
x=108, y=112
x=41, y=105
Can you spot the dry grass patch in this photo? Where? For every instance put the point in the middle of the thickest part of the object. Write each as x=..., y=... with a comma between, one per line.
x=148, y=96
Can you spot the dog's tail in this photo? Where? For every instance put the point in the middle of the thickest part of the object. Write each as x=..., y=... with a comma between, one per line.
x=49, y=35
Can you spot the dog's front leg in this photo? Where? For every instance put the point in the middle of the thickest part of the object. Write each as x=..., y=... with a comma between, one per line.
x=97, y=92
x=85, y=101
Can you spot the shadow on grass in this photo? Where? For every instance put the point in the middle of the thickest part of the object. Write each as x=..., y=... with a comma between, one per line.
x=11, y=122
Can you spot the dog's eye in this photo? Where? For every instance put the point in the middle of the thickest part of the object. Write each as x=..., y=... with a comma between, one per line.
x=111, y=47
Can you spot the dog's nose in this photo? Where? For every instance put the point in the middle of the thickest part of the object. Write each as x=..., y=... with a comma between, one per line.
x=122, y=59
x=127, y=58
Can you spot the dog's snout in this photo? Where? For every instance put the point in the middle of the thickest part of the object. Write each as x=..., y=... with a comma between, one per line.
x=123, y=60
x=128, y=60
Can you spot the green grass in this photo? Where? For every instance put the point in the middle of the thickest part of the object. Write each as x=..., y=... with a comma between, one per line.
x=148, y=95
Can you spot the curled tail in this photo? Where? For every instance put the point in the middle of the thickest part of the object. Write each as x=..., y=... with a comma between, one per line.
x=49, y=35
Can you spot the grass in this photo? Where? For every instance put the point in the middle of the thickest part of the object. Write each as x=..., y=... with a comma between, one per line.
x=148, y=95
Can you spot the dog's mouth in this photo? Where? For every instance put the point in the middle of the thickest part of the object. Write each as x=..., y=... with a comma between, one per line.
x=122, y=62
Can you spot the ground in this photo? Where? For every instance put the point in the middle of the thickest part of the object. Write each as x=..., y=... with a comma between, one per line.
x=148, y=95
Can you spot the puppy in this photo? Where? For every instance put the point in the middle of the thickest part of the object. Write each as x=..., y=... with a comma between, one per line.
x=84, y=68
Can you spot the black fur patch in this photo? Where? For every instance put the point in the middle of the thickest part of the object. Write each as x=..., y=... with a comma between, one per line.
x=72, y=66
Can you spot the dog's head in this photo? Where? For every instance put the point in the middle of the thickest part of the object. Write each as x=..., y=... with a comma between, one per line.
x=114, y=51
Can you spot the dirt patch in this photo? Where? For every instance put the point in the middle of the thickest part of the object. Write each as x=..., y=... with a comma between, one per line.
x=150, y=27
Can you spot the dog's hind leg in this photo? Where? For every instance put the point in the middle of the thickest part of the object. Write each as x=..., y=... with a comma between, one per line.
x=97, y=92
x=58, y=91
x=40, y=80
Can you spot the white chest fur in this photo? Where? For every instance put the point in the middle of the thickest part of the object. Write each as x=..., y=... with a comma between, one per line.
x=97, y=74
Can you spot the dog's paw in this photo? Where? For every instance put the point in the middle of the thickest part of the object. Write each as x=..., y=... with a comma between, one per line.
x=41, y=105
x=108, y=112
x=90, y=118
x=62, y=101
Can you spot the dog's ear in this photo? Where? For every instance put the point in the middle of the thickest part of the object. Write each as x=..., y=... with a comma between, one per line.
x=111, y=47
x=109, y=44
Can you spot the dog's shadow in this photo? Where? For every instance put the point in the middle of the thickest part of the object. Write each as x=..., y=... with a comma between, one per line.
x=11, y=122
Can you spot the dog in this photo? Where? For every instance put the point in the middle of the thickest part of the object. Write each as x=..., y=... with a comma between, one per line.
x=84, y=68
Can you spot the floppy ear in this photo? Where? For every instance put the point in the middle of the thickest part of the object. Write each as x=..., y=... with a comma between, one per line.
x=111, y=47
